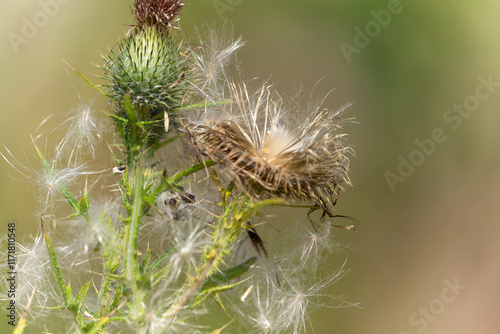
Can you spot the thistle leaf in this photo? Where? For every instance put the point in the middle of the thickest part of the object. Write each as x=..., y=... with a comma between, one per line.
x=65, y=294
x=225, y=276
x=191, y=170
x=82, y=296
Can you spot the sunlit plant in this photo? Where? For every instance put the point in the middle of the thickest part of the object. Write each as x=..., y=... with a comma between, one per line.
x=199, y=161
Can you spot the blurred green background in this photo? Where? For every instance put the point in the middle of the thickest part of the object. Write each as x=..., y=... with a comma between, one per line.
x=440, y=225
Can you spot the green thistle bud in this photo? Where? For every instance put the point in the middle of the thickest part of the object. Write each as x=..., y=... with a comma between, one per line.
x=149, y=67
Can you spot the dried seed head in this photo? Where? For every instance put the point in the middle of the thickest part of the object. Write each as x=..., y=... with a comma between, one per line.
x=272, y=151
x=157, y=12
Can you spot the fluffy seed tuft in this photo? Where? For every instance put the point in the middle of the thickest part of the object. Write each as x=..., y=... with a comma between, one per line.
x=82, y=131
x=212, y=58
x=272, y=151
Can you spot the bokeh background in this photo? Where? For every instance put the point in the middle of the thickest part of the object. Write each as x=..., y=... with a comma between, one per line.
x=439, y=227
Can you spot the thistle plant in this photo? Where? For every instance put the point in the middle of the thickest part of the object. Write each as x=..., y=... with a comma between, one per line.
x=200, y=162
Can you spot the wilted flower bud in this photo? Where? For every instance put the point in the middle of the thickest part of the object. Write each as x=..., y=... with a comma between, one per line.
x=157, y=12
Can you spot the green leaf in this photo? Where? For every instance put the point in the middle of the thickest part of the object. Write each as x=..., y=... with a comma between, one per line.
x=254, y=209
x=141, y=124
x=225, y=276
x=82, y=296
x=98, y=325
x=200, y=105
x=129, y=109
x=70, y=293
x=85, y=203
x=188, y=171
x=204, y=294
x=168, y=141
x=146, y=260
x=222, y=288
x=66, y=296
x=157, y=263
x=118, y=118
x=87, y=80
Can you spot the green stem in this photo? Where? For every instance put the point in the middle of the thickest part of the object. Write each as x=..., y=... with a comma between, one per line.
x=131, y=264
x=181, y=175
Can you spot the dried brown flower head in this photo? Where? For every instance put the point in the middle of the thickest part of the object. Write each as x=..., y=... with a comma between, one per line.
x=272, y=151
x=157, y=12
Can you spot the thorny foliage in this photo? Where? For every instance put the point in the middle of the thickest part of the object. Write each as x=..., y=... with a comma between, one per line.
x=151, y=250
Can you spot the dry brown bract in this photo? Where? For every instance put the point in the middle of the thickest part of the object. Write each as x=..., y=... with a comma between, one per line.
x=273, y=152
x=157, y=12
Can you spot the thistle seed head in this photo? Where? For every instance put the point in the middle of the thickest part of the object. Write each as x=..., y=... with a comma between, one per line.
x=273, y=152
x=160, y=13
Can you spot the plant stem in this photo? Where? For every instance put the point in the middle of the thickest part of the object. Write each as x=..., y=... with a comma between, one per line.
x=177, y=308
